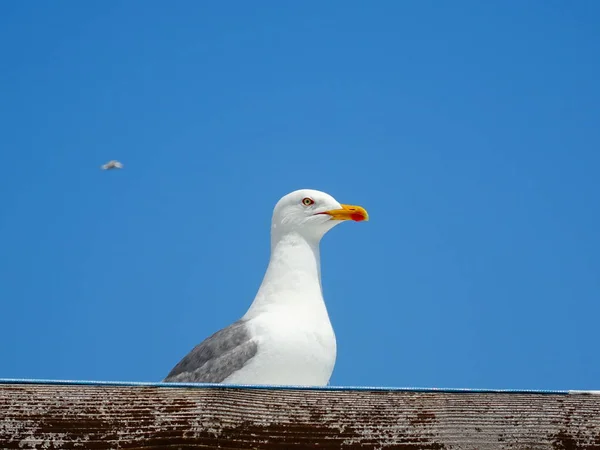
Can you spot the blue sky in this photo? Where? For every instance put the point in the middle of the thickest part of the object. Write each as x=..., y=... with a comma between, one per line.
x=469, y=131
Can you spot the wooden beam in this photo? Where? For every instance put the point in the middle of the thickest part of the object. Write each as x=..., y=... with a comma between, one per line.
x=153, y=417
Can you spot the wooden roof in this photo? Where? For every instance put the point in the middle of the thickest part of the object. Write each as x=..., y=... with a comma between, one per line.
x=93, y=416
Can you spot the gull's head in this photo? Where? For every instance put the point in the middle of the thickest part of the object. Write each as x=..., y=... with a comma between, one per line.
x=312, y=213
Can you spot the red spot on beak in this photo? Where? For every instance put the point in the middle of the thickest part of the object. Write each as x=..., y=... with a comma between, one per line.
x=348, y=212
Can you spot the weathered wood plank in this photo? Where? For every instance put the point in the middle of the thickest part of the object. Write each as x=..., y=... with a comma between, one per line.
x=126, y=417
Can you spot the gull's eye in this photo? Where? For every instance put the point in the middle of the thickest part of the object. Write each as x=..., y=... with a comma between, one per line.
x=308, y=201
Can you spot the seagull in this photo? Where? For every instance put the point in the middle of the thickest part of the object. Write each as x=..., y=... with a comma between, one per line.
x=285, y=337
x=112, y=164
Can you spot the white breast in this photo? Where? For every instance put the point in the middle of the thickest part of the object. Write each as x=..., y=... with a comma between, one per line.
x=294, y=348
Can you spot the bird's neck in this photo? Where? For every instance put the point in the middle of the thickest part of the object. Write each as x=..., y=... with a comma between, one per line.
x=293, y=277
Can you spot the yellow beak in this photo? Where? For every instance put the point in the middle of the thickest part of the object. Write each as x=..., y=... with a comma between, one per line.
x=348, y=212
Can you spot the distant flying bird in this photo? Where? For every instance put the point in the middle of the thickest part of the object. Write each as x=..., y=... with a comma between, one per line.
x=113, y=164
x=286, y=336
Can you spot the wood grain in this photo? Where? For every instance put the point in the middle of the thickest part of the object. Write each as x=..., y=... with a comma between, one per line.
x=126, y=417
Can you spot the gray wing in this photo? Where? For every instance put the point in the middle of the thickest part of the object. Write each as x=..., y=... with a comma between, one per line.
x=217, y=357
